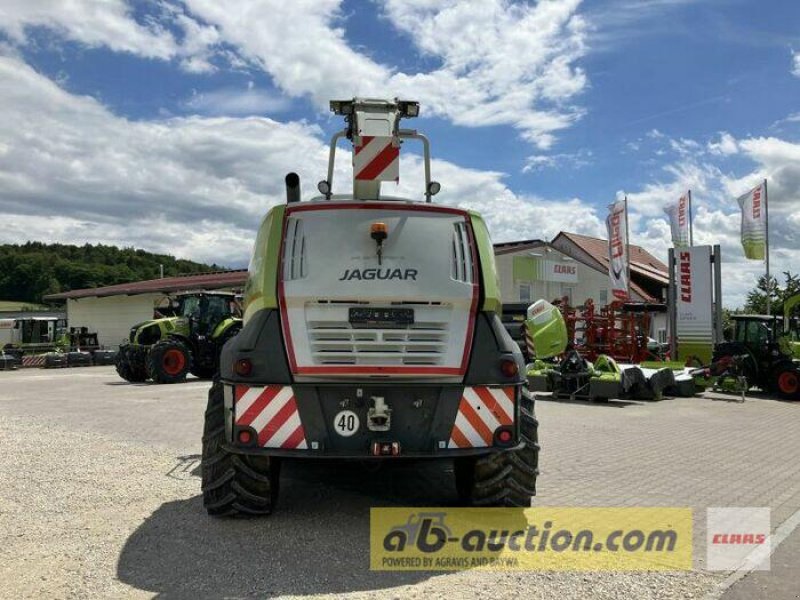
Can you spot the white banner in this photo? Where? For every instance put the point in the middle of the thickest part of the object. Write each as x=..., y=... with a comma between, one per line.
x=566, y=272
x=678, y=213
x=754, y=222
x=695, y=317
x=617, y=226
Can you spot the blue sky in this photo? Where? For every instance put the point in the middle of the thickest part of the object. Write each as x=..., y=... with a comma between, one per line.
x=540, y=114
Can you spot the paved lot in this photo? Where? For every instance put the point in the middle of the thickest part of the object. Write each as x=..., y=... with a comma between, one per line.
x=99, y=496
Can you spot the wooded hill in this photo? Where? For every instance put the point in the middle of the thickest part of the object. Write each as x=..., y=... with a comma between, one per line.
x=32, y=270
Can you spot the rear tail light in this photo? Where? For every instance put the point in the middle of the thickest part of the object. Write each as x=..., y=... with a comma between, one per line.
x=504, y=436
x=243, y=367
x=245, y=436
x=508, y=367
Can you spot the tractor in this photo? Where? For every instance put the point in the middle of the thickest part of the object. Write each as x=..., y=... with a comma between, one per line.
x=167, y=349
x=763, y=350
x=372, y=332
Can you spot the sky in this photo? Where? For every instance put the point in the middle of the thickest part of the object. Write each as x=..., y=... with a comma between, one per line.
x=169, y=125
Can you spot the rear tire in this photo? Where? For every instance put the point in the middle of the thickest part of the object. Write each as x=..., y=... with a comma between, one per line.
x=169, y=361
x=126, y=365
x=234, y=484
x=504, y=478
x=208, y=371
x=787, y=383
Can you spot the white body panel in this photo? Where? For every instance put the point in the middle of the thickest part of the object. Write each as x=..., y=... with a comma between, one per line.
x=330, y=265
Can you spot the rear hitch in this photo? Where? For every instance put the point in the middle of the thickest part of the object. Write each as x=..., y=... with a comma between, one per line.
x=379, y=415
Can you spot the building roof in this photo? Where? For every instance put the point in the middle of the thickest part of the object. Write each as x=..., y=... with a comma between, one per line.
x=643, y=264
x=203, y=281
x=510, y=247
x=39, y=315
x=641, y=259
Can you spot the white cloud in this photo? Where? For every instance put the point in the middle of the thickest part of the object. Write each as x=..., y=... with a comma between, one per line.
x=574, y=160
x=88, y=22
x=498, y=63
x=796, y=64
x=236, y=102
x=501, y=63
x=725, y=146
x=111, y=24
x=72, y=171
x=716, y=213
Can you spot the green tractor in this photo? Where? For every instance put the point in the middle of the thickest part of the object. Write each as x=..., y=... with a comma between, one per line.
x=762, y=347
x=167, y=349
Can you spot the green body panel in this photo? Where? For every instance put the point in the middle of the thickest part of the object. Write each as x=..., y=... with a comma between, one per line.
x=167, y=325
x=606, y=368
x=675, y=365
x=548, y=331
x=261, y=289
x=701, y=350
x=492, y=301
x=526, y=268
x=224, y=326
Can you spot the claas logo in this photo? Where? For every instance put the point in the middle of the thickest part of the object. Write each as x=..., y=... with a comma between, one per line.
x=686, y=276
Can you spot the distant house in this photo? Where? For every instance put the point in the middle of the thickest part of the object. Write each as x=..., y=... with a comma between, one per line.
x=576, y=266
x=111, y=311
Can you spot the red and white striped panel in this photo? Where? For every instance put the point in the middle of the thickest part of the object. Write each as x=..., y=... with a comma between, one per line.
x=272, y=412
x=481, y=411
x=33, y=361
x=376, y=159
x=529, y=343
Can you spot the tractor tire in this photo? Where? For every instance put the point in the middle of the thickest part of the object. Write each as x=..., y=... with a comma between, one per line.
x=138, y=360
x=787, y=383
x=234, y=484
x=169, y=361
x=208, y=372
x=125, y=363
x=503, y=479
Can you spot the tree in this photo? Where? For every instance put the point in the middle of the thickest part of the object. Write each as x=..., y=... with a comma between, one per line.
x=34, y=269
x=757, y=297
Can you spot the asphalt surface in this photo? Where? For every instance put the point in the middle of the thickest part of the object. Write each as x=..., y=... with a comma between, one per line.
x=110, y=504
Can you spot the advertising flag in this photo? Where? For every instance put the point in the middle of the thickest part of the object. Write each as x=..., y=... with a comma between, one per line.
x=617, y=225
x=754, y=222
x=678, y=213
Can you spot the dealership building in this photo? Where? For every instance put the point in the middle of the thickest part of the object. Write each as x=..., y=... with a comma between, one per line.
x=571, y=265
x=575, y=267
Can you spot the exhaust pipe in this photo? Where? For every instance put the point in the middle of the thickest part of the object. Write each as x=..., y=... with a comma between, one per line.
x=292, y=187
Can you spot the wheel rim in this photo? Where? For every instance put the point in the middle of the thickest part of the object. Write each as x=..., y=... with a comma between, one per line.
x=173, y=362
x=788, y=382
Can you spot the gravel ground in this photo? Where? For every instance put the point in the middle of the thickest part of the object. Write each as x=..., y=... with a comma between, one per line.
x=85, y=516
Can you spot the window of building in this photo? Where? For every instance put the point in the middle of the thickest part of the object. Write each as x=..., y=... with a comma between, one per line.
x=524, y=292
x=662, y=335
x=567, y=292
x=603, y=299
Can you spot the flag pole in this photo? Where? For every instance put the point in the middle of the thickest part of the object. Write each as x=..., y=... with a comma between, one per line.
x=627, y=249
x=766, y=243
x=691, y=232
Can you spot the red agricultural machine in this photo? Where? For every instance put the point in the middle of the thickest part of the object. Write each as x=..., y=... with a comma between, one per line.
x=620, y=330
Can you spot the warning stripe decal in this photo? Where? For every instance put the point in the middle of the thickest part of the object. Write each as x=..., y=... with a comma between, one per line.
x=481, y=411
x=376, y=159
x=272, y=412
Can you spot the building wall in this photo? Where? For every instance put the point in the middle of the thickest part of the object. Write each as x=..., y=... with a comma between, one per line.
x=591, y=283
x=111, y=317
